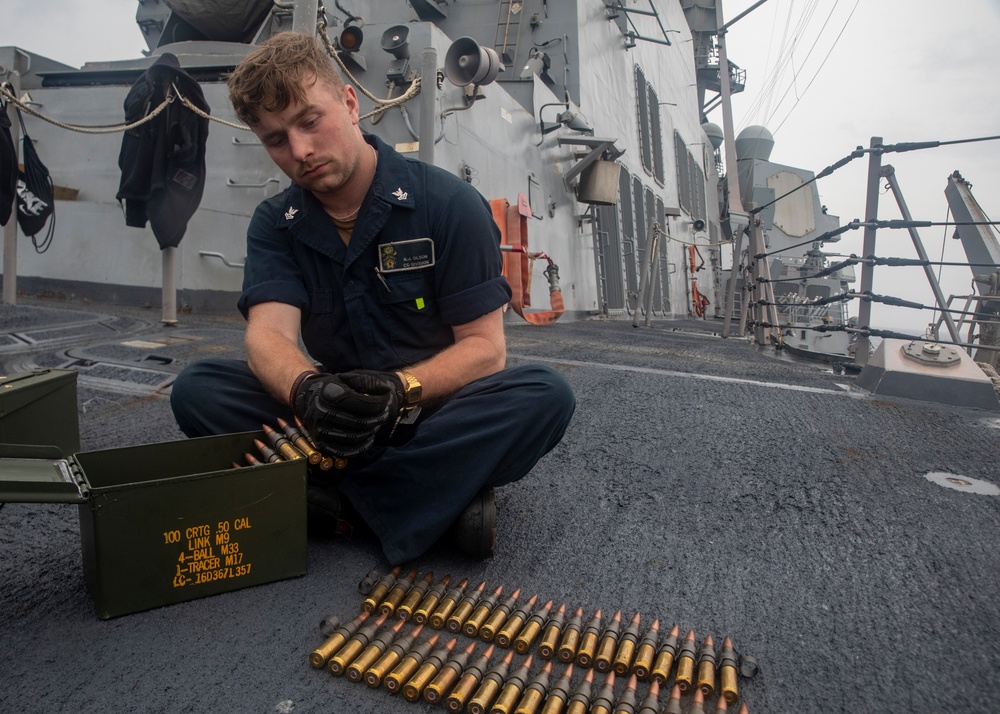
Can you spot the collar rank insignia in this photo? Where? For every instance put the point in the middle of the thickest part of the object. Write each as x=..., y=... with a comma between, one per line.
x=400, y=194
x=290, y=213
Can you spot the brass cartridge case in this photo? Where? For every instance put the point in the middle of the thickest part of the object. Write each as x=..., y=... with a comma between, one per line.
x=354, y=646
x=505, y=636
x=588, y=642
x=447, y=605
x=281, y=444
x=626, y=702
x=569, y=643
x=322, y=654
x=604, y=702
x=464, y=609
x=579, y=703
x=550, y=636
x=423, y=612
x=651, y=704
x=697, y=703
x=665, y=657
x=414, y=597
x=408, y=666
x=674, y=701
x=609, y=644
x=380, y=590
x=498, y=617
x=727, y=672
x=622, y=662
x=643, y=664
x=479, y=614
x=469, y=682
x=396, y=594
x=448, y=675
x=526, y=637
x=534, y=694
x=482, y=700
x=300, y=442
x=706, y=668
x=685, y=663
x=392, y=656
x=510, y=695
x=326, y=462
x=414, y=688
x=555, y=701
x=379, y=644
x=270, y=455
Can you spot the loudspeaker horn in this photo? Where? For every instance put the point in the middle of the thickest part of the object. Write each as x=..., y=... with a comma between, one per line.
x=468, y=63
x=395, y=43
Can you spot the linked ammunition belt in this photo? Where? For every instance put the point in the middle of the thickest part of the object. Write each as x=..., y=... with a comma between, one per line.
x=385, y=645
x=289, y=443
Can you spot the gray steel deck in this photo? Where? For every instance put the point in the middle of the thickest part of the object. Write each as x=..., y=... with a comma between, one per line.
x=701, y=481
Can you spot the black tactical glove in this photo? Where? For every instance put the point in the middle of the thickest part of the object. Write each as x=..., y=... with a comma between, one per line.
x=342, y=420
x=388, y=384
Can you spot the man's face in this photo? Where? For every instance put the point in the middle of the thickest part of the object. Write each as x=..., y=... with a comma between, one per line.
x=316, y=143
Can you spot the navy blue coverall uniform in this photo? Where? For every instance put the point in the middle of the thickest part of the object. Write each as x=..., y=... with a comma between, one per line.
x=423, y=256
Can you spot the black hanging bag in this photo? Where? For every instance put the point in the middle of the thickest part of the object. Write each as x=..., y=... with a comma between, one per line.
x=35, y=202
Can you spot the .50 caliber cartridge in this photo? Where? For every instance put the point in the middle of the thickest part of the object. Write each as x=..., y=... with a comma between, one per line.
x=448, y=675
x=423, y=613
x=512, y=688
x=464, y=609
x=379, y=644
x=550, y=636
x=282, y=444
x=414, y=597
x=447, y=606
x=469, y=682
x=380, y=590
x=558, y=695
x=570, y=641
x=410, y=663
x=300, y=443
x=498, y=617
x=512, y=626
x=685, y=663
x=579, y=703
x=354, y=646
x=647, y=651
x=534, y=693
x=482, y=610
x=322, y=654
x=393, y=656
x=588, y=641
x=482, y=700
x=397, y=593
x=605, y=699
x=727, y=672
x=414, y=688
x=706, y=668
x=526, y=637
x=665, y=657
x=608, y=645
x=622, y=663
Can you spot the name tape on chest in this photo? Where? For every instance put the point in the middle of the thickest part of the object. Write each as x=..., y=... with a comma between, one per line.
x=406, y=255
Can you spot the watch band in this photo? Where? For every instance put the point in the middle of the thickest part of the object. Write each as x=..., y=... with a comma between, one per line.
x=412, y=389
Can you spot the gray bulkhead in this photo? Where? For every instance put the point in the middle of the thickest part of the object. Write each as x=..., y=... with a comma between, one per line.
x=496, y=145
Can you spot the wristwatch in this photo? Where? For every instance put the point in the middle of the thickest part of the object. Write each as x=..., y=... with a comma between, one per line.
x=412, y=390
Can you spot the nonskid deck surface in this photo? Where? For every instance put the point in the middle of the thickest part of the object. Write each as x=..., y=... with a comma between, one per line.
x=702, y=481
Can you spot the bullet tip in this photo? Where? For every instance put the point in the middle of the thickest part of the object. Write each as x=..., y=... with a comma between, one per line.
x=655, y=625
x=548, y=667
x=632, y=682
x=698, y=696
x=463, y=583
x=450, y=644
x=533, y=599
x=471, y=648
x=527, y=662
x=589, y=677
x=416, y=630
x=674, y=631
x=516, y=594
x=434, y=638
x=429, y=577
x=579, y=612
x=727, y=643
x=509, y=657
x=689, y=637
x=744, y=709
x=675, y=693
x=654, y=688
x=562, y=609
x=709, y=642
x=489, y=651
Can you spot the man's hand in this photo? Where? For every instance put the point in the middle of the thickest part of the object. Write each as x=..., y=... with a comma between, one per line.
x=343, y=420
x=385, y=384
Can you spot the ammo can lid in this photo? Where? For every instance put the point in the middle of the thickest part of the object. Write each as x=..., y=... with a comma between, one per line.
x=37, y=474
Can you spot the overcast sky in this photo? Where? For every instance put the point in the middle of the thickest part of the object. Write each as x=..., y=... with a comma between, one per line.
x=905, y=70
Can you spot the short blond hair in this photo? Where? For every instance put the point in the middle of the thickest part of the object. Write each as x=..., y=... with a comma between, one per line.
x=274, y=75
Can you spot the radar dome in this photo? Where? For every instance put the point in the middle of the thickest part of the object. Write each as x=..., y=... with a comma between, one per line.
x=714, y=133
x=754, y=142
